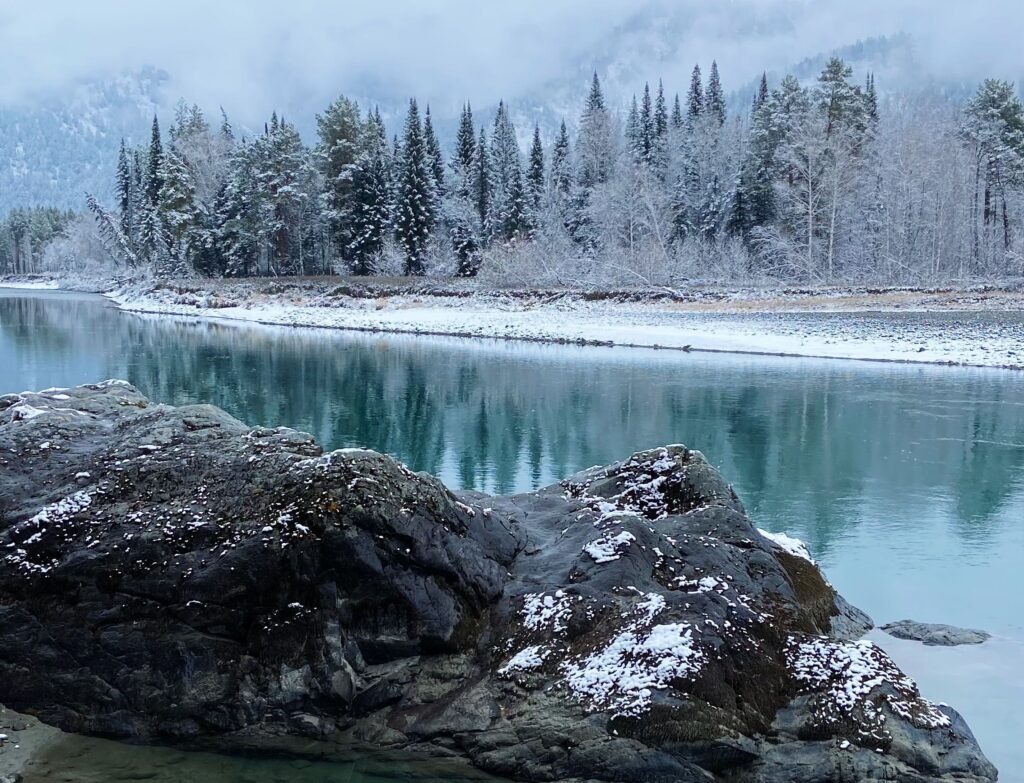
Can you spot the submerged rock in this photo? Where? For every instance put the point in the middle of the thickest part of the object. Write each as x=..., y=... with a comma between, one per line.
x=935, y=634
x=171, y=573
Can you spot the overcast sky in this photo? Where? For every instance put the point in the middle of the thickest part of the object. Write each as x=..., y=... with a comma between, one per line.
x=255, y=54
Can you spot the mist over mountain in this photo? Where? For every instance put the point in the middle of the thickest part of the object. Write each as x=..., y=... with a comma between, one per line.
x=58, y=140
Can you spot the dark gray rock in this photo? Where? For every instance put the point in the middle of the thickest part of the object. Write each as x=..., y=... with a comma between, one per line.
x=935, y=634
x=170, y=572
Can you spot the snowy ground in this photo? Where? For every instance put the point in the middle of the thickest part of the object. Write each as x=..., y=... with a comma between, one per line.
x=974, y=326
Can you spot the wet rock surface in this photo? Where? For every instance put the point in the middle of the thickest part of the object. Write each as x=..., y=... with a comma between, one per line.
x=170, y=573
x=935, y=634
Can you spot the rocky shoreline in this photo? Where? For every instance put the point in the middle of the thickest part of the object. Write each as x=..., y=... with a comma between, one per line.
x=170, y=573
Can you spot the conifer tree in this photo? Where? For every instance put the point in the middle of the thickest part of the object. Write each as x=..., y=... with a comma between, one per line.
x=509, y=200
x=594, y=144
x=871, y=100
x=370, y=197
x=339, y=129
x=414, y=205
x=461, y=214
x=714, y=100
x=660, y=113
x=465, y=141
x=560, y=179
x=632, y=130
x=535, y=172
x=125, y=192
x=677, y=113
x=434, y=157
x=695, y=98
x=150, y=231
x=482, y=184
x=646, y=128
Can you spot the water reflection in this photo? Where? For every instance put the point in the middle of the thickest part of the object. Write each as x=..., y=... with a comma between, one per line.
x=907, y=481
x=801, y=439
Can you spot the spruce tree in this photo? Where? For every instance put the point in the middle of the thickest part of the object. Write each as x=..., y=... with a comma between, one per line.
x=560, y=179
x=434, y=157
x=414, y=207
x=339, y=129
x=714, y=100
x=646, y=128
x=677, y=113
x=370, y=198
x=633, y=142
x=660, y=113
x=535, y=172
x=695, y=98
x=508, y=207
x=465, y=140
x=871, y=99
x=125, y=194
x=594, y=142
x=150, y=231
x=482, y=184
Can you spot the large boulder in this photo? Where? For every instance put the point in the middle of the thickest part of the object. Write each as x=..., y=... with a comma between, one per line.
x=172, y=573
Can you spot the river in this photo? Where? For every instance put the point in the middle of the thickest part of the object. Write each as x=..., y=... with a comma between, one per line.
x=906, y=481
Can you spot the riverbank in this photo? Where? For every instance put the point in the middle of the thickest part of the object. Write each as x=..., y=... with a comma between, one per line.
x=971, y=326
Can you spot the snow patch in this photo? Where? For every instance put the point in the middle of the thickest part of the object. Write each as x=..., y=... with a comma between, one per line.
x=793, y=546
x=852, y=680
x=609, y=547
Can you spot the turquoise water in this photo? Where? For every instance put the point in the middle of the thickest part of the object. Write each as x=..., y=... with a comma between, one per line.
x=906, y=481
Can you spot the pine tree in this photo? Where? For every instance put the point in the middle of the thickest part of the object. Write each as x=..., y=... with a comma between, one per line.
x=871, y=100
x=633, y=142
x=677, y=113
x=535, y=172
x=433, y=151
x=125, y=194
x=695, y=98
x=594, y=144
x=151, y=229
x=461, y=214
x=370, y=197
x=660, y=113
x=841, y=101
x=647, y=130
x=414, y=207
x=715, y=98
x=339, y=129
x=178, y=213
x=465, y=141
x=762, y=91
x=560, y=179
x=509, y=201
x=482, y=184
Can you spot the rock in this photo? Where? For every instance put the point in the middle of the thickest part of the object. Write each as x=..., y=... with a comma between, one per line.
x=210, y=580
x=935, y=634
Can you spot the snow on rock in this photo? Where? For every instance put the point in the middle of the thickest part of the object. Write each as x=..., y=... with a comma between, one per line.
x=24, y=412
x=33, y=531
x=789, y=544
x=852, y=680
x=622, y=676
x=525, y=660
x=547, y=612
x=608, y=547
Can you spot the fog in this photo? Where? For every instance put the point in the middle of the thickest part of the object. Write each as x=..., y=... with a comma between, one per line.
x=253, y=55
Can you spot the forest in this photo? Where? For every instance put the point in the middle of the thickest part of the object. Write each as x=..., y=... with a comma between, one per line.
x=814, y=183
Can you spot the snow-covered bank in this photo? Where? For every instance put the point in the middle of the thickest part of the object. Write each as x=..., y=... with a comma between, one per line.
x=935, y=335
x=30, y=284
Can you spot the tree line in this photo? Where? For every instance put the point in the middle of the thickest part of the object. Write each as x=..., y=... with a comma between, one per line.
x=816, y=182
